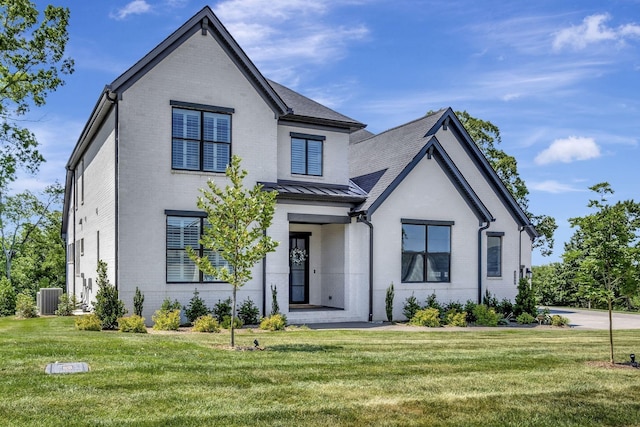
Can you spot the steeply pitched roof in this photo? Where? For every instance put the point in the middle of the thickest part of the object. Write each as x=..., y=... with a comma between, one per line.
x=391, y=155
x=303, y=109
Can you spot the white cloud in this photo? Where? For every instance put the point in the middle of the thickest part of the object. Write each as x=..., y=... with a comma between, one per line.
x=552, y=186
x=593, y=30
x=569, y=150
x=136, y=7
x=289, y=34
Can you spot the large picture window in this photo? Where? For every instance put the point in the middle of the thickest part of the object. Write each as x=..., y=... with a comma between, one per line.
x=201, y=140
x=426, y=251
x=306, y=154
x=183, y=232
x=494, y=254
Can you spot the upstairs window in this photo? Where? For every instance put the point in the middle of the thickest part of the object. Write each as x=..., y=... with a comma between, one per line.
x=426, y=251
x=306, y=154
x=201, y=140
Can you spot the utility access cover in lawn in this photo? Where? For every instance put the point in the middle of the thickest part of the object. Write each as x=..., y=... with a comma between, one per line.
x=66, y=368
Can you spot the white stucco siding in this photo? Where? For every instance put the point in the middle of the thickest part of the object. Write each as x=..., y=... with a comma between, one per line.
x=516, y=249
x=335, y=156
x=426, y=193
x=94, y=219
x=197, y=72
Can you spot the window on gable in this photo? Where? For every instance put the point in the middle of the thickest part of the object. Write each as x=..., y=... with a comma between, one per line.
x=306, y=154
x=183, y=232
x=426, y=251
x=201, y=140
x=494, y=254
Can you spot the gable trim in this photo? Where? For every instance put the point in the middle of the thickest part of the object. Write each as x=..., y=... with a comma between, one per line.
x=206, y=23
x=434, y=149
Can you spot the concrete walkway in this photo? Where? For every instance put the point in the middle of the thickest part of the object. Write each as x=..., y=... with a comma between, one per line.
x=578, y=319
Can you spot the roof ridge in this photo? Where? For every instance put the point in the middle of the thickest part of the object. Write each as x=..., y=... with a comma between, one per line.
x=440, y=111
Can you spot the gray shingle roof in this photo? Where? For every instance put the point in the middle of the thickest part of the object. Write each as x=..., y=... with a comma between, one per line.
x=303, y=109
x=387, y=154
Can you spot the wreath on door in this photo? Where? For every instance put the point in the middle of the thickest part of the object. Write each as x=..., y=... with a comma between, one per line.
x=298, y=256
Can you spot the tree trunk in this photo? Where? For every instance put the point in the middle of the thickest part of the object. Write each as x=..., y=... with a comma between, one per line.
x=610, y=331
x=233, y=318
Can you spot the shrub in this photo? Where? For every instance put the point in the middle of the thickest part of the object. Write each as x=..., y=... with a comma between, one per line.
x=426, y=317
x=196, y=307
x=206, y=323
x=432, y=302
x=25, y=306
x=248, y=313
x=505, y=307
x=410, y=307
x=133, y=323
x=388, y=302
x=226, y=323
x=275, y=308
x=88, y=322
x=557, y=320
x=489, y=300
x=468, y=308
x=275, y=322
x=7, y=298
x=485, y=316
x=108, y=307
x=167, y=305
x=525, y=319
x=526, y=299
x=166, y=320
x=454, y=317
x=138, y=300
x=67, y=305
x=453, y=305
x=222, y=309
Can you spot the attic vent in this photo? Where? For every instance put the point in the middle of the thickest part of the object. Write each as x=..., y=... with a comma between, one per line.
x=205, y=24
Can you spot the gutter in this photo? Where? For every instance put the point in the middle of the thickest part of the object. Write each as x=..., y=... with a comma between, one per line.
x=362, y=218
x=480, y=230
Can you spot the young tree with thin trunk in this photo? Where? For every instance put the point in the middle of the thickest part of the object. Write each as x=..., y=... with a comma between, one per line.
x=606, y=249
x=238, y=219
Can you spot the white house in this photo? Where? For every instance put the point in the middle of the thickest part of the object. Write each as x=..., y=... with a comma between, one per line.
x=417, y=206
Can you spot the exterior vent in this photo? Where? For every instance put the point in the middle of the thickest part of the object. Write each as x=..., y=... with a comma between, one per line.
x=47, y=300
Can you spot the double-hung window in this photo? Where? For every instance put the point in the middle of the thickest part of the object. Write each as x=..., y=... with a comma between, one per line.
x=426, y=251
x=306, y=154
x=201, y=137
x=494, y=254
x=183, y=232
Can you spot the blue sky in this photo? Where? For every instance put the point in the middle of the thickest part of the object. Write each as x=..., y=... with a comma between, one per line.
x=561, y=79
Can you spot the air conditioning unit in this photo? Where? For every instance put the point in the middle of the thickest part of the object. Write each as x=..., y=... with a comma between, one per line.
x=47, y=300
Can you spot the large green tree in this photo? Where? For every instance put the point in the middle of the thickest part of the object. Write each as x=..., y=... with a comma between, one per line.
x=487, y=137
x=22, y=218
x=32, y=64
x=238, y=220
x=606, y=250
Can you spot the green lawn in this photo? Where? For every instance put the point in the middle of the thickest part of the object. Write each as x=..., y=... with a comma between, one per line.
x=518, y=377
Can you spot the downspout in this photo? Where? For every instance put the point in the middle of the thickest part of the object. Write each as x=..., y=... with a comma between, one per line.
x=520, y=272
x=362, y=218
x=480, y=230
x=114, y=101
x=73, y=277
x=264, y=282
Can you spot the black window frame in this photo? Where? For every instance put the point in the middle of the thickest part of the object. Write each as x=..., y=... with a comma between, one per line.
x=306, y=138
x=425, y=254
x=202, y=109
x=492, y=272
x=200, y=216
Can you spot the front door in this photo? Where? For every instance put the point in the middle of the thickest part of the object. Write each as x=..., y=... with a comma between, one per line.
x=299, y=268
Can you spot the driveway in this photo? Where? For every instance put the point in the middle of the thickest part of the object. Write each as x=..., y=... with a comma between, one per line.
x=592, y=319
